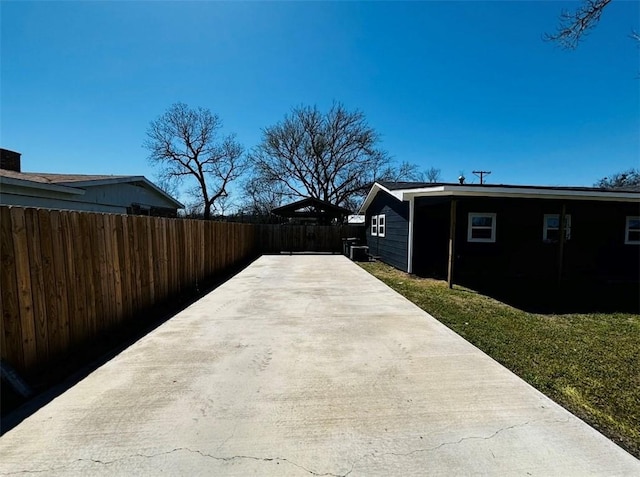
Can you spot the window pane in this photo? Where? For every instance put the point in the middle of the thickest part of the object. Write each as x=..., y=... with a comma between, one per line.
x=553, y=222
x=634, y=224
x=634, y=236
x=481, y=233
x=482, y=221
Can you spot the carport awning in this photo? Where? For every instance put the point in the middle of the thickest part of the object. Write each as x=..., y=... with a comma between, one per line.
x=311, y=208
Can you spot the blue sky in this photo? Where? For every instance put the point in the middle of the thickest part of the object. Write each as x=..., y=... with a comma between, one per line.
x=454, y=85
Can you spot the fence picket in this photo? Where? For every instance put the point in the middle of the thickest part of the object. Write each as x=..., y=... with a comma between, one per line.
x=125, y=265
x=37, y=284
x=49, y=278
x=85, y=239
x=61, y=339
x=11, y=324
x=23, y=279
x=115, y=264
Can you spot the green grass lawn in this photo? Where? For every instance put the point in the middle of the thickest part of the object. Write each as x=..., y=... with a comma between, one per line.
x=588, y=363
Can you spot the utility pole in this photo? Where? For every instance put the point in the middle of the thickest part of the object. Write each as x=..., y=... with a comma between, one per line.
x=481, y=175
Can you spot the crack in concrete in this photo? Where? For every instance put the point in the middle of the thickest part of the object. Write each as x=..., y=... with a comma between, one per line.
x=431, y=449
x=264, y=459
x=83, y=459
x=373, y=454
x=227, y=439
x=178, y=449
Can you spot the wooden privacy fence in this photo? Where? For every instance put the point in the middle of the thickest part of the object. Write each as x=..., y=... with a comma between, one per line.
x=67, y=276
x=306, y=238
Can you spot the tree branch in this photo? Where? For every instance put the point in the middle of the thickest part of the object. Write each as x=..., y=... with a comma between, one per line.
x=574, y=25
x=184, y=142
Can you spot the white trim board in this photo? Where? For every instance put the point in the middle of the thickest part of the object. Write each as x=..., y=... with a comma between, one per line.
x=515, y=192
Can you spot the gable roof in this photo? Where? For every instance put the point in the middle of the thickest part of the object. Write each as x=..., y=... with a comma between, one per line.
x=323, y=208
x=405, y=191
x=75, y=183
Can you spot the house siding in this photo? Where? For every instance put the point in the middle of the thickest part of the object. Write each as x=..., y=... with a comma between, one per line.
x=595, y=252
x=110, y=198
x=124, y=194
x=392, y=248
x=53, y=200
x=596, y=249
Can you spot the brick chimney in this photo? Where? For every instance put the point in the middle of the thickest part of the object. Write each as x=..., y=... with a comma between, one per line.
x=10, y=160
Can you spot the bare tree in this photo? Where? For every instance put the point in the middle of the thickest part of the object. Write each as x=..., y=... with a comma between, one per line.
x=185, y=143
x=405, y=171
x=574, y=25
x=262, y=197
x=225, y=205
x=168, y=185
x=629, y=179
x=332, y=156
x=432, y=175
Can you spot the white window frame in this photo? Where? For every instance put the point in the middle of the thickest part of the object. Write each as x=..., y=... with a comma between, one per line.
x=382, y=225
x=374, y=225
x=627, y=229
x=546, y=228
x=470, y=227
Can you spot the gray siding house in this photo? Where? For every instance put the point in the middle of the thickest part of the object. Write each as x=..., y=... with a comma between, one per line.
x=94, y=193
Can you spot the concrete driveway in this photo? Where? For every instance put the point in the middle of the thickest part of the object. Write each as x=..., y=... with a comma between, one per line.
x=306, y=365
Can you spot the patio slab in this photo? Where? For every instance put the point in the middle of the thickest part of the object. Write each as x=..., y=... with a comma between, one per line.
x=306, y=365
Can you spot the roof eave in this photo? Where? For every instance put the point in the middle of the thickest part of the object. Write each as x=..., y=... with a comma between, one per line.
x=179, y=205
x=27, y=184
x=121, y=180
x=462, y=191
x=102, y=181
x=294, y=206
